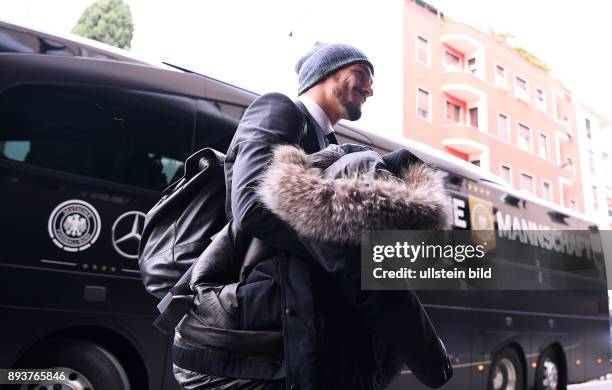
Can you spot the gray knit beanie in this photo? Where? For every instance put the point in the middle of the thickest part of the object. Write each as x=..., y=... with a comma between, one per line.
x=324, y=59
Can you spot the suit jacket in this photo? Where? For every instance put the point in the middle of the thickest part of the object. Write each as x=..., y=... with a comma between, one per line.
x=271, y=120
x=278, y=293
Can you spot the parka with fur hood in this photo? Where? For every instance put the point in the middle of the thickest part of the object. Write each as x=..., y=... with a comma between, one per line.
x=305, y=318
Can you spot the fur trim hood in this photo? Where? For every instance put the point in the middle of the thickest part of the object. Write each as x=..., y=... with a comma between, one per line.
x=338, y=209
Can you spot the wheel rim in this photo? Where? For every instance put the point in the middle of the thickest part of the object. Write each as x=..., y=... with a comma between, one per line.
x=74, y=381
x=550, y=375
x=504, y=375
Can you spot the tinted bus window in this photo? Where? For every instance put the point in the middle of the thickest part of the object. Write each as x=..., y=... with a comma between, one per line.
x=135, y=138
x=216, y=124
x=20, y=42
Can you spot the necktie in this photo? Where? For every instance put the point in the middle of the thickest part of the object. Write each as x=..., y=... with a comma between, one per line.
x=331, y=138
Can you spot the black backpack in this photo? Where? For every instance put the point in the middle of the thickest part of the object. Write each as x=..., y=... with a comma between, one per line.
x=180, y=226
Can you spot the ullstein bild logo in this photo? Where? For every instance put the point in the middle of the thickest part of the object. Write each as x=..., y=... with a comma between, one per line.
x=74, y=225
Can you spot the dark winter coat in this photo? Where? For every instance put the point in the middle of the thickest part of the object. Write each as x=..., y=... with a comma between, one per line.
x=328, y=198
x=297, y=311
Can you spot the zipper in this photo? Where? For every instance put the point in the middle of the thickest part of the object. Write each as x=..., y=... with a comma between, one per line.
x=280, y=269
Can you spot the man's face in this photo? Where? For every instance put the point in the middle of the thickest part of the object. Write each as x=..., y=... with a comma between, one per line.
x=352, y=86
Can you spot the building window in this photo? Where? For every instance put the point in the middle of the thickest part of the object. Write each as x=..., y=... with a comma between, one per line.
x=592, y=161
x=595, y=203
x=473, y=117
x=524, y=137
x=546, y=191
x=453, y=112
x=543, y=146
x=503, y=129
x=422, y=50
x=452, y=61
x=471, y=65
x=500, y=76
x=423, y=103
x=587, y=123
x=520, y=88
x=506, y=174
x=569, y=165
x=527, y=183
x=540, y=99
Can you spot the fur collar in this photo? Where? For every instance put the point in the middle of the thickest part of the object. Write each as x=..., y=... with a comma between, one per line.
x=337, y=210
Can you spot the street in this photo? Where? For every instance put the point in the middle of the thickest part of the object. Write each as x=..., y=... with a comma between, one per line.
x=599, y=385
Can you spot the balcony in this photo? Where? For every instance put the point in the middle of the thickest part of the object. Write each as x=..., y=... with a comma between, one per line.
x=466, y=143
x=461, y=42
x=465, y=139
x=460, y=39
x=463, y=85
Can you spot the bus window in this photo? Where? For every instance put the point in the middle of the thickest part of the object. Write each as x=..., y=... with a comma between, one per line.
x=134, y=138
x=216, y=123
x=12, y=40
x=18, y=42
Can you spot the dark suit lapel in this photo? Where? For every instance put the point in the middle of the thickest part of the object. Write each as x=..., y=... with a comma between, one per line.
x=311, y=142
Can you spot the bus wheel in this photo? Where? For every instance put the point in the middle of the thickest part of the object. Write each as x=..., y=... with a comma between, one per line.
x=506, y=371
x=87, y=366
x=548, y=374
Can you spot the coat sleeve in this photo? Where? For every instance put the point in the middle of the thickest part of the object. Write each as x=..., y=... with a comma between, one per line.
x=397, y=316
x=271, y=120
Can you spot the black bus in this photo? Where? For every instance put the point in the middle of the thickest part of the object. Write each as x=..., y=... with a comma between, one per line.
x=89, y=137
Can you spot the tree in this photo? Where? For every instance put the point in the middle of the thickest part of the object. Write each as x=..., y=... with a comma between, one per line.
x=107, y=21
x=503, y=37
x=531, y=58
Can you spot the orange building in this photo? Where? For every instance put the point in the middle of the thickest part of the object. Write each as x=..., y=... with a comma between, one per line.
x=468, y=93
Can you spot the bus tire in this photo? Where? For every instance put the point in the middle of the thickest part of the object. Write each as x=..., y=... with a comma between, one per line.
x=506, y=371
x=87, y=365
x=549, y=373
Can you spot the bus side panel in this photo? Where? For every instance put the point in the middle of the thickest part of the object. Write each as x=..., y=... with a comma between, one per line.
x=457, y=329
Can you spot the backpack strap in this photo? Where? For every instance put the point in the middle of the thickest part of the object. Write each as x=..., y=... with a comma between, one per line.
x=175, y=304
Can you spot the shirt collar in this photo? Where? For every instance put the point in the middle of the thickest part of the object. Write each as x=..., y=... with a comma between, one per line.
x=317, y=113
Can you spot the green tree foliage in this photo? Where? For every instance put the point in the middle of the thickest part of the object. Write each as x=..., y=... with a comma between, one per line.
x=531, y=58
x=107, y=21
x=503, y=37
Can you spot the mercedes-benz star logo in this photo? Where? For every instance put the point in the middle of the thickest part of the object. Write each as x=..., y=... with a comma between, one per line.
x=126, y=233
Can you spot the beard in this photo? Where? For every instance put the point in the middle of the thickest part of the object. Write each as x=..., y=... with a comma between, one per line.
x=343, y=93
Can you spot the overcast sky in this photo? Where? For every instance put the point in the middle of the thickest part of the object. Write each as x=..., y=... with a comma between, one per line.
x=248, y=42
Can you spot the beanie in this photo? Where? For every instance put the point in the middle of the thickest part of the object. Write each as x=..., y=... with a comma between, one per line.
x=324, y=59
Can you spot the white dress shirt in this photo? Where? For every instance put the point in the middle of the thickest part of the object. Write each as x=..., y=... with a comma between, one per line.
x=318, y=114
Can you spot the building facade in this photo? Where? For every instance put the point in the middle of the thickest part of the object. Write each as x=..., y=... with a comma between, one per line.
x=469, y=94
x=595, y=140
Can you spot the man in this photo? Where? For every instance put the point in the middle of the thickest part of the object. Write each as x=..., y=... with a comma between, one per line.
x=278, y=327
x=271, y=330
x=334, y=82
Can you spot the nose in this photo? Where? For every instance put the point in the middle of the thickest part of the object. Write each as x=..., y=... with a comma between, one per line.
x=367, y=90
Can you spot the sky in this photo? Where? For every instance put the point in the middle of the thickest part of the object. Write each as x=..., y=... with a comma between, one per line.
x=255, y=44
